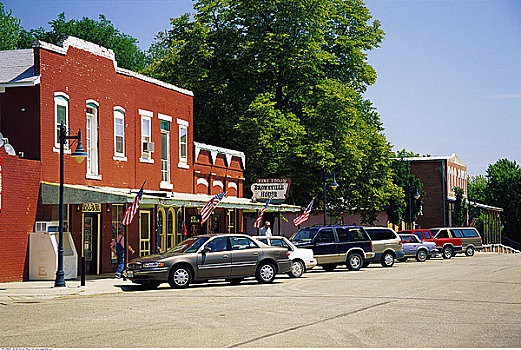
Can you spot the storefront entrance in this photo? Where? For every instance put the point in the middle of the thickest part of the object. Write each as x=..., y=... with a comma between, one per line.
x=91, y=239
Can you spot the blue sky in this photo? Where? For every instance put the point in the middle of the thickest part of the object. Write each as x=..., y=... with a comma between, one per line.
x=449, y=72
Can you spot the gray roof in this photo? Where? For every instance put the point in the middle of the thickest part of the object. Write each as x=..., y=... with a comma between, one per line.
x=17, y=67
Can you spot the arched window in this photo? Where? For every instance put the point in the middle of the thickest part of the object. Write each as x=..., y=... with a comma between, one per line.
x=161, y=224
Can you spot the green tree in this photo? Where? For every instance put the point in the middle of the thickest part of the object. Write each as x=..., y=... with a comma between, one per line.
x=477, y=187
x=460, y=208
x=100, y=32
x=283, y=81
x=504, y=190
x=9, y=30
x=397, y=208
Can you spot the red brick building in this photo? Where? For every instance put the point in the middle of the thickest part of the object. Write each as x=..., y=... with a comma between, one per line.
x=440, y=175
x=134, y=129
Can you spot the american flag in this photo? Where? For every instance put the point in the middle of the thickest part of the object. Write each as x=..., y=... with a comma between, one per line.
x=208, y=208
x=305, y=215
x=132, y=210
x=257, y=223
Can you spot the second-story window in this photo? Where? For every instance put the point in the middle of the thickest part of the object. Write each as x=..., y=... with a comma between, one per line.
x=165, y=151
x=183, y=143
x=61, y=114
x=92, y=139
x=147, y=146
x=119, y=134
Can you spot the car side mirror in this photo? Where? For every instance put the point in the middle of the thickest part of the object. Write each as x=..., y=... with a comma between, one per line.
x=206, y=250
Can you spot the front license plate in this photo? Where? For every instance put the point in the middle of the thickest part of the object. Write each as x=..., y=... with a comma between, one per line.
x=130, y=273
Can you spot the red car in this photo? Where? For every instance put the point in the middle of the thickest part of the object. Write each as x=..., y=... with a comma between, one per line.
x=446, y=245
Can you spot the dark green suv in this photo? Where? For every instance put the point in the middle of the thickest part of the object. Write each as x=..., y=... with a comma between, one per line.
x=336, y=245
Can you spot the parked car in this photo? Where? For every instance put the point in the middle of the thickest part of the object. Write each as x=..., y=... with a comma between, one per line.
x=414, y=248
x=387, y=246
x=470, y=237
x=302, y=259
x=335, y=245
x=422, y=234
x=447, y=246
x=201, y=258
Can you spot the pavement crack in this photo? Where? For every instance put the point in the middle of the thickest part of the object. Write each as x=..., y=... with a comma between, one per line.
x=310, y=324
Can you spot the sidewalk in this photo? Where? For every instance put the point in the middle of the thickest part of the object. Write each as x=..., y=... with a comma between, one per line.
x=36, y=290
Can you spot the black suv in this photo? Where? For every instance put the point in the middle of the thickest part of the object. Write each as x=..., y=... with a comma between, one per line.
x=336, y=245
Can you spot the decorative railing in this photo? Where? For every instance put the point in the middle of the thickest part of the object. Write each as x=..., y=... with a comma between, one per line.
x=499, y=248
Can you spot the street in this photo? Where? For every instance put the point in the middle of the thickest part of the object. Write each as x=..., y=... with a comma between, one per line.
x=461, y=302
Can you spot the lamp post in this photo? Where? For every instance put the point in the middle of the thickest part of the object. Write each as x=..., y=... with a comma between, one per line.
x=410, y=189
x=79, y=154
x=333, y=185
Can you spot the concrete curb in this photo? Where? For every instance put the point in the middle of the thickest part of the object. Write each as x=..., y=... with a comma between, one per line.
x=41, y=290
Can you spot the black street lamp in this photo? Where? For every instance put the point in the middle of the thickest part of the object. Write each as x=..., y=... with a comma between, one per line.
x=410, y=190
x=79, y=154
x=333, y=185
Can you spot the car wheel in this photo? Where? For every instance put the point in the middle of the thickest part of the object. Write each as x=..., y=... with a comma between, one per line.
x=421, y=255
x=234, y=281
x=180, y=277
x=402, y=260
x=470, y=251
x=355, y=261
x=387, y=260
x=265, y=273
x=297, y=269
x=447, y=252
x=329, y=267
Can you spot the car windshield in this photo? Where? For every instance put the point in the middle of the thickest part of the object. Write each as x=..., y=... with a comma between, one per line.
x=189, y=246
x=304, y=235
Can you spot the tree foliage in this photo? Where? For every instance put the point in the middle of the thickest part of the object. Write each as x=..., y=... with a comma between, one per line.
x=501, y=187
x=460, y=208
x=283, y=80
x=100, y=32
x=9, y=30
x=404, y=207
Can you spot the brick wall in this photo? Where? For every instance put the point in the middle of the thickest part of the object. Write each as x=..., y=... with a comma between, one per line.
x=430, y=174
x=85, y=76
x=21, y=183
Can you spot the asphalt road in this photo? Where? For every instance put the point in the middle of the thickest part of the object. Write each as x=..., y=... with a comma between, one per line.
x=462, y=302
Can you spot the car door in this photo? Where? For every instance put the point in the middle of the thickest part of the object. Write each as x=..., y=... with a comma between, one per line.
x=217, y=262
x=413, y=244
x=245, y=255
x=325, y=246
x=344, y=242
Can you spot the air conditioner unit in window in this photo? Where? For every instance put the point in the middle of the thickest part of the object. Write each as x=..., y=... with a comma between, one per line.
x=148, y=147
x=46, y=226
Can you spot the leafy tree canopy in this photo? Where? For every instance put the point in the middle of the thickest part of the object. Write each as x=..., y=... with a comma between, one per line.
x=501, y=187
x=283, y=80
x=100, y=32
x=9, y=30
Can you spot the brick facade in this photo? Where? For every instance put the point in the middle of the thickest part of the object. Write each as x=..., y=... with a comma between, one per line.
x=85, y=79
x=20, y=186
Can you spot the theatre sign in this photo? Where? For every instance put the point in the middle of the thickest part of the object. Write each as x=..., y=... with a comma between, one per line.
x=264, y=189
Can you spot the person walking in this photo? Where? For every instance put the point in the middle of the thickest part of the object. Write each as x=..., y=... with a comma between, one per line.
x=118, y=247
x=265, y=230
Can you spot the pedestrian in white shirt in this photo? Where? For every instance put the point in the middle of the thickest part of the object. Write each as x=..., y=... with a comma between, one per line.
x=265, y=230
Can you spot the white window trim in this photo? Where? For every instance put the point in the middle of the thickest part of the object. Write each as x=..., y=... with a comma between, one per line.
x=169, y=158
x=183, y=162
x=166, y=186
x=94, y=175
x=119, y=156
x=164, y=117
x=56, y=147
x=145, y=115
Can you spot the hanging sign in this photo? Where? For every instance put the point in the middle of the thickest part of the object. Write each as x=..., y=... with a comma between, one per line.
x=264, y=189
x=91, y=207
